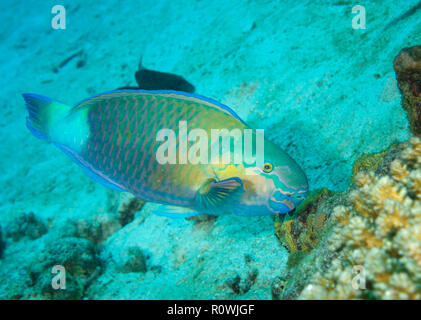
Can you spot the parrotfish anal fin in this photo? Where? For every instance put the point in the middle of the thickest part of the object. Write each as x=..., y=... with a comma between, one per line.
x=175, y=211
x=214, y=195
x=91, y=174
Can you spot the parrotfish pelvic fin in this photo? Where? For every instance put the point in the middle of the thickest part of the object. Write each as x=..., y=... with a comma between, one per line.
x=175, y=211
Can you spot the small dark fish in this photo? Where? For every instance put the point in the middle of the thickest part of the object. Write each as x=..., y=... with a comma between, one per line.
x=156, y=80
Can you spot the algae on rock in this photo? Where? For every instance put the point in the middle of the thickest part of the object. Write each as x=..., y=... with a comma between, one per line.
x=379, y=230
x=408, y=73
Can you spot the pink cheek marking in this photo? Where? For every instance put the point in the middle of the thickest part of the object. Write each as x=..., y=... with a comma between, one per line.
x=288, y=203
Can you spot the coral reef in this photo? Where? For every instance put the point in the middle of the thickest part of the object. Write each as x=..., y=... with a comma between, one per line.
x=300, y=231
x=304, y=235
x=381, y=231
x=379, y=163
x=408, y=73
x=368, y=162
x=81, y=263
x=129, y=205
x=241, y=286
x=30, y=274
x=135, y=261
x=96, y=229
x=25, y=225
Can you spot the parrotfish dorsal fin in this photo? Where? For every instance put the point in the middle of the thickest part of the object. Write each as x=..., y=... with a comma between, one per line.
x=213, y=195
x=164, y=93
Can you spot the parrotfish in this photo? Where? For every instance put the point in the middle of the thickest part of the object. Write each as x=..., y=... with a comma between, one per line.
x=113, y=136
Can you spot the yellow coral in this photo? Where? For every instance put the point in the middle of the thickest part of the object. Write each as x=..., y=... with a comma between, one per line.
x=381, y=232
x=284, y=233
x=398, y=170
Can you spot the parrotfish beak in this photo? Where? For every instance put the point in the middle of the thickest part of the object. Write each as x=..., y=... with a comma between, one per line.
x=298, y=198
x=281, y=202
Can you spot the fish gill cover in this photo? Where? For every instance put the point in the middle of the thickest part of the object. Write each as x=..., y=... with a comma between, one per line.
x=334, y=84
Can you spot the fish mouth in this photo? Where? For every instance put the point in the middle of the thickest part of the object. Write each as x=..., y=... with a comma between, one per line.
x=282, y=202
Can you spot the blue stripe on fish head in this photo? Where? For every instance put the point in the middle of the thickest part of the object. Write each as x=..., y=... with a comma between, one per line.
x=290, y=187
x=279, y=184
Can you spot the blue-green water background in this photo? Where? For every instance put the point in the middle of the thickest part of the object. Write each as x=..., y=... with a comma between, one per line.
x=323, y=91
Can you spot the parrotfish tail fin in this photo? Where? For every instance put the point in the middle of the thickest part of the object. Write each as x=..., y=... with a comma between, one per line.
x=43, y=113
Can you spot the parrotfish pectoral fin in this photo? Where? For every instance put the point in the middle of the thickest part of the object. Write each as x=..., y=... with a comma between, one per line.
x=213, y=195
x=43, y=113
x=175, y=211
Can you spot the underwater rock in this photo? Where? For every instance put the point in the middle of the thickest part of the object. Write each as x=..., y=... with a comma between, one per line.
x=408, y=73
x=300, y=231
x=97, y=229
x=277, y=288
x=203, y=221
x=380, y=230
x=304, y=235
x=27, y=272
x=128, y=207
x=80, y=259
x=234, y=284
x=25, y=225
x=135, y=262
x=374, y=224
x=155, y=80
x=241, y=286
x=379, y=163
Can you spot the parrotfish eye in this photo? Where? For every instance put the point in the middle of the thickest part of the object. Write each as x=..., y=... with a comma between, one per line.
x=267, y=167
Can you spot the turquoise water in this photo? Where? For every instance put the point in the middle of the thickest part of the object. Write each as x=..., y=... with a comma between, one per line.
x=322, y=90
